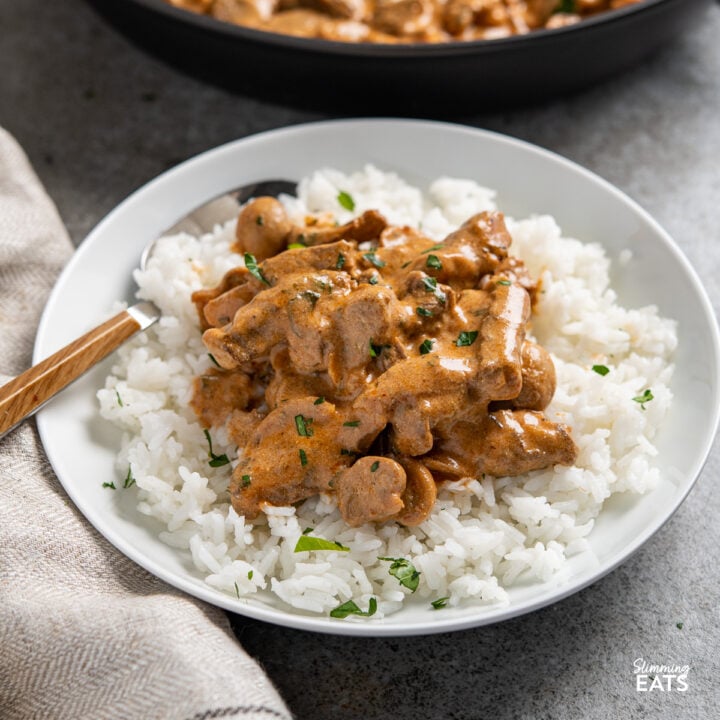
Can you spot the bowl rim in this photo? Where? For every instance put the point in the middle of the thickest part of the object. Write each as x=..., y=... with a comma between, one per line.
x=176, y=176
x=214, y=26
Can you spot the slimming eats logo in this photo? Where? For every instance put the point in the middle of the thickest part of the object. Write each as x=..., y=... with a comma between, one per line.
x=665, y=678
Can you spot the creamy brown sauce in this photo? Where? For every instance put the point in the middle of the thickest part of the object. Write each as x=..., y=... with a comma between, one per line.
x=394, y=21
x=373, y=362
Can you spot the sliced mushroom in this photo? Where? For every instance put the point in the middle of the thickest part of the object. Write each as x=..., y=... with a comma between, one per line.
x=370, y=491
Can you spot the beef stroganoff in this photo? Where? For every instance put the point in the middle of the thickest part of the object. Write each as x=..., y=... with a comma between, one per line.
x=369, y=394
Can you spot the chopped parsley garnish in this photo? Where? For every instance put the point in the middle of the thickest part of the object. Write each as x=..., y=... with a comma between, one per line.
x=466, y=338
x=433, y=262
x=254, y=269
x=340, y=263
x=423, y=312
x=439, y=603
x=426, y=346
x=679, y=626
x=432, y=249
x=129, y=479
x=237, y=591
x=307, y=530
x=565, y=6
x=214, y=361
x=260, y=220
x=119, y=399
x=110, y=485
x=373, y=280
x=503, y=282
x=646, y=397
x=430, y=284
x=375, y=350
x=601, y=369
x=303, y=457
x=302, y=425
x=375, y=466
x=351, y=423
x=296, y=246
x=319, y=401
x=250, y=574
x=306, y=543
x=404, y=571
x=350, y=608
x=374, y=259
x=346, y=200
x=246, y=481
x=215, y=460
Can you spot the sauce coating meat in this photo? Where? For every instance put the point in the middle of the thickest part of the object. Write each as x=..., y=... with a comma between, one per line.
x=371, y=363
x=395, y=21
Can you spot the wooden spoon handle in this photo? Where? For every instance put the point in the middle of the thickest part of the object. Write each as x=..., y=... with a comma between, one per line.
x=25, y=394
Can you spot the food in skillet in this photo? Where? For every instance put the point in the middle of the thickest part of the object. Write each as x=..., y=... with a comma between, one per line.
x=393, y=21
x=451, y=527
x=368, y=361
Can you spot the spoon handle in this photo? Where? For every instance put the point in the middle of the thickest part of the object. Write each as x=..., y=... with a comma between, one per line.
x=22, y=396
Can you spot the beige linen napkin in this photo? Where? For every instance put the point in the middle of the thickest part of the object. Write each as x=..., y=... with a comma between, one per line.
x=84, y=632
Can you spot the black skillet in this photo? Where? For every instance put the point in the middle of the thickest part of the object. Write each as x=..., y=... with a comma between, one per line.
x=428, y=79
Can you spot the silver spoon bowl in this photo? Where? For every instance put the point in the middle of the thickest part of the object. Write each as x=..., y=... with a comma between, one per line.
x=29, y=391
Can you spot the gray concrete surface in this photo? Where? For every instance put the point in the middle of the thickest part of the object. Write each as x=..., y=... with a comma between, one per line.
x=98, y=118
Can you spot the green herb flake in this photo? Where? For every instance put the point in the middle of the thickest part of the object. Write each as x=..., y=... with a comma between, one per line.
x=440, y=603
x=237, y=591
x=646, y=397
x=376, y=350
x=351, y=608
x=352, y=423
x=340, y=263
x=119, y=399
x=319, y=401
x=503, y=282
x=374, y=280
x=430, y=284
x=245, y=481
x=306, y=543
x=679, y=626
x=601, y=369
x=250, y=574
x=423, y=312
x=215, y=460
x=302, y=425
x=110, y=485
x=346, y=200
x=466, y=338
x=213, y=360
x=254, y=269
x=371, y=257
x=303, y=457
x=433, y=262
x=307, y=530
x=296, y=246
x=565, y=6
x=404, y=571
x=129, y=480
x=426, y=346
x=260, y=220
x=375, y=466
x=432, y=249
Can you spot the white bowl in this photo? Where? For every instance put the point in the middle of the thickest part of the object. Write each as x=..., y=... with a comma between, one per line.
x=529, y=180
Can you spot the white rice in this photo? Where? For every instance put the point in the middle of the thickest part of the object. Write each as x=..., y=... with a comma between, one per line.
x=482, y=536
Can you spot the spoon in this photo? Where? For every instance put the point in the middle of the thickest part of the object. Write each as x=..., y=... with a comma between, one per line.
x=29, y=391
